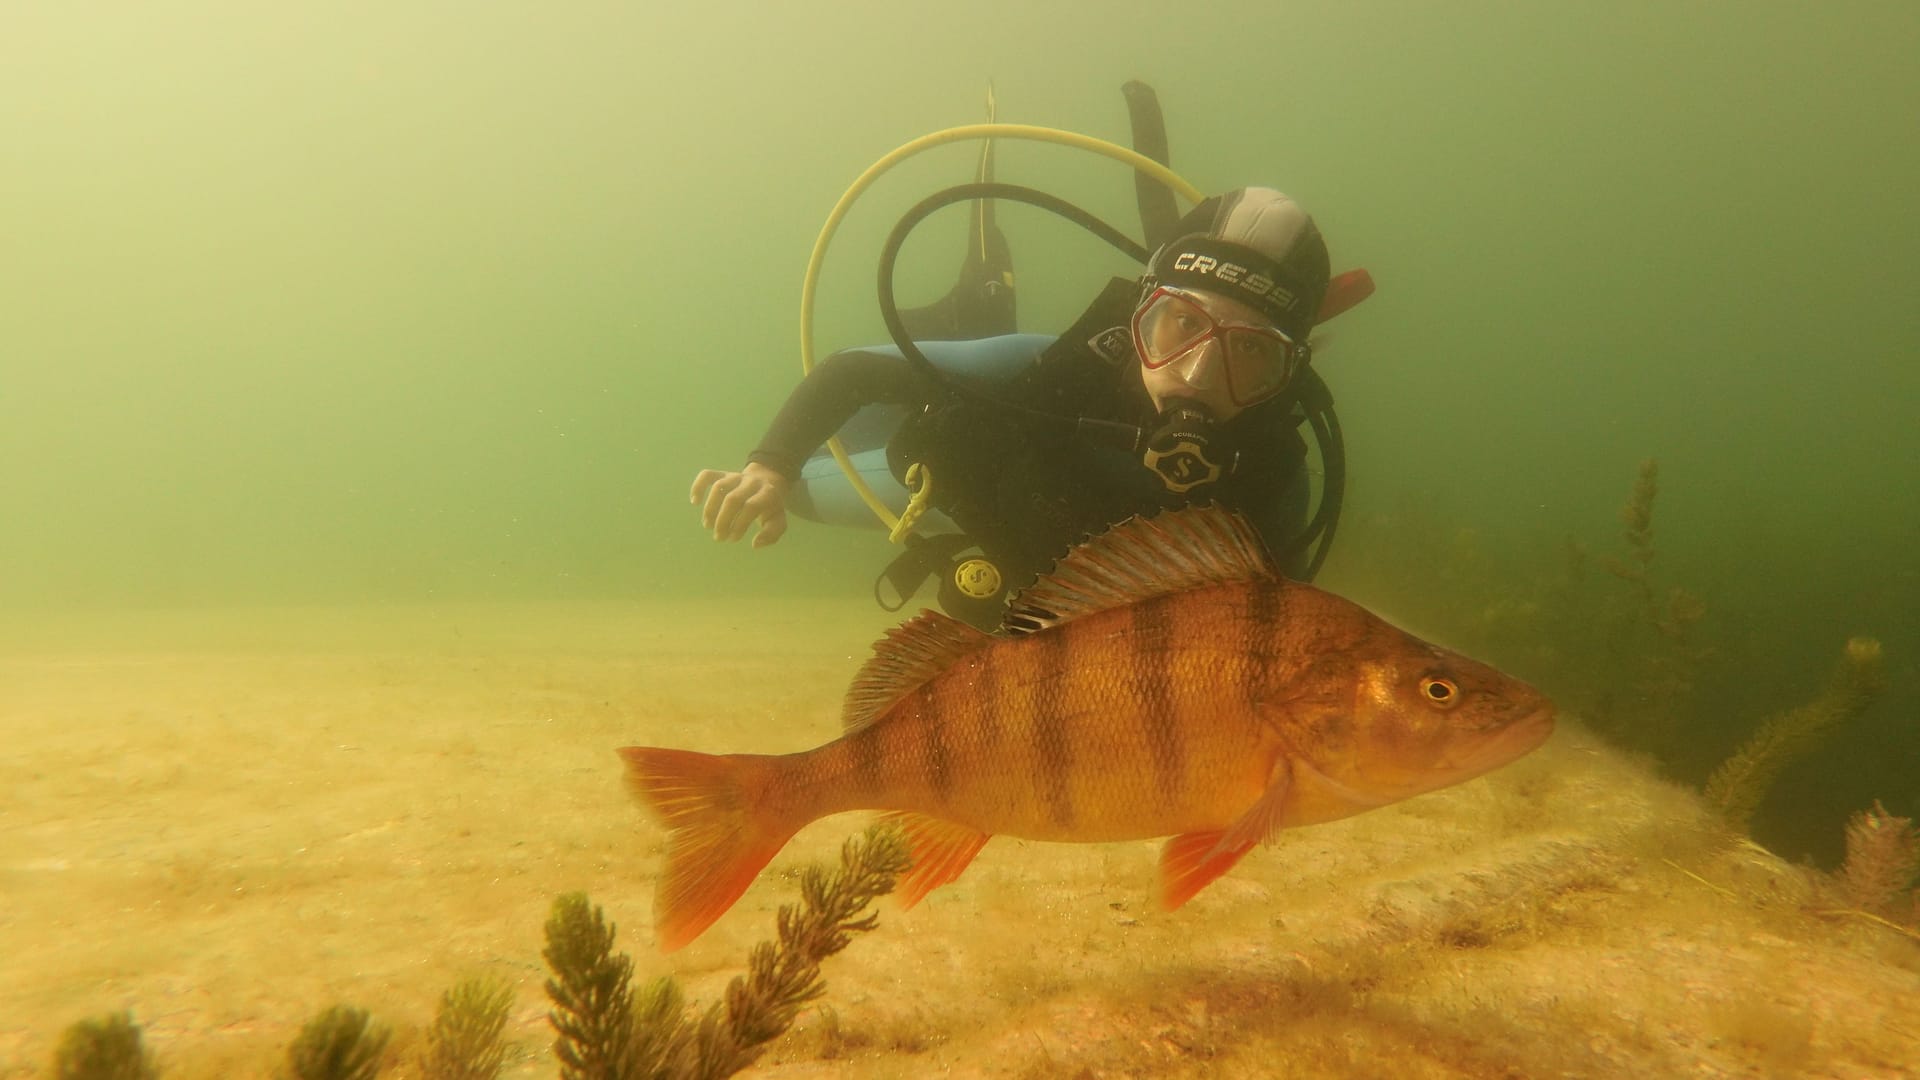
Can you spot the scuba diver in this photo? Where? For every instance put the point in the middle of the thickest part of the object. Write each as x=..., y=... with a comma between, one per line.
x=1189, y=384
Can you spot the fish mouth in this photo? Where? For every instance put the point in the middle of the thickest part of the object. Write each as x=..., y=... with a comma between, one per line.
x=1517, y=739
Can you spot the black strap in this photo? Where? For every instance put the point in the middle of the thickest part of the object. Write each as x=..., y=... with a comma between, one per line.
x=1159, y=216
x=927, y=556
x=924, y=557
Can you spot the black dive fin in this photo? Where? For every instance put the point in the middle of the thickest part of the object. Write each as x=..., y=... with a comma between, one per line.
x=980, y=304
x=1159, y=216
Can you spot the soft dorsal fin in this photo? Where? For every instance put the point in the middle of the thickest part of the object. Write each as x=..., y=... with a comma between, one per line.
x=909, y=655
x=1141, y=558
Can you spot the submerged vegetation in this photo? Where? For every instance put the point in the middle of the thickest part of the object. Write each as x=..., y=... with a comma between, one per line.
x=341, y=1043
x=465, y=1041
x=592, y=992
x=1604, y=633
x=1613, y=639
x=1738, y=785
x=108, y=1048
x=605, y=1030
x=1653, y=641
x=607, y=1033
x=1883, y=861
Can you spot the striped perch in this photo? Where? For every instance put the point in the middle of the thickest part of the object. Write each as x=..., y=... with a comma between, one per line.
x=1163, y=680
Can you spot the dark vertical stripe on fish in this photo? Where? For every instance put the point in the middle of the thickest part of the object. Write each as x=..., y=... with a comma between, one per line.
x=985, y=667
x=939, y=778
x=1263, y=614
x=867, y=774
x=1052, y=753
x=1152, y=685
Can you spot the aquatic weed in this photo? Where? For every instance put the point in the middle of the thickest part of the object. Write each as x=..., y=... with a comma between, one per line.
x=1883, y=859
x=591, y=991
x=106, y=1048
x=339, y=1044
x=606, y=1033
x=465, y=1040
x=1737, y=787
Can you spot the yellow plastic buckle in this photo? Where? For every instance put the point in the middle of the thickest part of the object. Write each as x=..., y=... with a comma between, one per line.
x=919, y=489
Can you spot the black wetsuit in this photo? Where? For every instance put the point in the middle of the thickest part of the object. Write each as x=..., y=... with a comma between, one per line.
x=1026, y=491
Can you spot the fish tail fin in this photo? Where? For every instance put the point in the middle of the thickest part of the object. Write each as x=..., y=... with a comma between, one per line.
x=720, y=832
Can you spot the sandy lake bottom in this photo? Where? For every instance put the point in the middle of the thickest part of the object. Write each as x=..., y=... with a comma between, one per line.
x=226, y=821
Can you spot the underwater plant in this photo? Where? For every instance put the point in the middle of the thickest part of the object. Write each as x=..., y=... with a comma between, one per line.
x=608, y=1033
x=1669, y=661
x=465, y=1040
x=1600, y=631
x=1883, y=860
x=107, y=1048
x=339, y=1044
x=1737, y=787
x=592, y=995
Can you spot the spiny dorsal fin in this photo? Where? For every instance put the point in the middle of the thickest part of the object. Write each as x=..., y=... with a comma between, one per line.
x=909, y=655
x=1141, y=558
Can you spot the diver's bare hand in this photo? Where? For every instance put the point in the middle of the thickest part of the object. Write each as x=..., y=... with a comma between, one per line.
x=730, y=502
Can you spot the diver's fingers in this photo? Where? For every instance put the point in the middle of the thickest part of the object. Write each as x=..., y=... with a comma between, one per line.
x=737, y=511
x=702, y=482
x=717, y=498
x=744, y=505
x=724, y=508
x=772, y=527
x=755, y=500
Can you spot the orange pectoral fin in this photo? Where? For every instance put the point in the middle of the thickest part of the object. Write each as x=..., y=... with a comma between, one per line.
x=940, y=850
x=1265, y=816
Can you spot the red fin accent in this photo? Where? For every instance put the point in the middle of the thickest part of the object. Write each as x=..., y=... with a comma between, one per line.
x=1343, y=292
x=1190, y=862
x=909, y=655
x=941, y=850
x=718, y=840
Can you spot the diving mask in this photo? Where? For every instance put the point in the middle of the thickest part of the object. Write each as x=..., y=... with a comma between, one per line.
x=1173, y=327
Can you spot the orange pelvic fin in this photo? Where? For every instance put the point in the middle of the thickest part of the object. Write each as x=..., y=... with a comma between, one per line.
x=718, y=840
x=940, y=851
x=1190, y=862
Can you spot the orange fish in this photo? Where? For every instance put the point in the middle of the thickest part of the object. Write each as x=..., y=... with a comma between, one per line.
x=1162, y=680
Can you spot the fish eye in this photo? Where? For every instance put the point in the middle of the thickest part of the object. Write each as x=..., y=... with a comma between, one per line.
x=1440, y=692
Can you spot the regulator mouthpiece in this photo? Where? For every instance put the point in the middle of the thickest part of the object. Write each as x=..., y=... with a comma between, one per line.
x=1184, y=449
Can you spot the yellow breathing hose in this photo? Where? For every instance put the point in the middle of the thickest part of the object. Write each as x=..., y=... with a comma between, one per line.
x=896, y=528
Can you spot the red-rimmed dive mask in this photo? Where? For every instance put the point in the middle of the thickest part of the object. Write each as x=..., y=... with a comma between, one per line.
x=1174, y=327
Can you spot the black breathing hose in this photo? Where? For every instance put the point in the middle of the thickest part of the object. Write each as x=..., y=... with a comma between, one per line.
x=1125, y=436
x=1316, y=401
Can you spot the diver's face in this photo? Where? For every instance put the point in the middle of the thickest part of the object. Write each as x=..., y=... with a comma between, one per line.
x=1211, y=349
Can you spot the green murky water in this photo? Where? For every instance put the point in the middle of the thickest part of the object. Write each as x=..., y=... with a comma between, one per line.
x=336, y=309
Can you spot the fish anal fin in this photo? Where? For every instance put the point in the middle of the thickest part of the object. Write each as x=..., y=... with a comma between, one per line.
x=906, y=657
x=1141, y=558
x=940, y=850
x=1189, y=862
